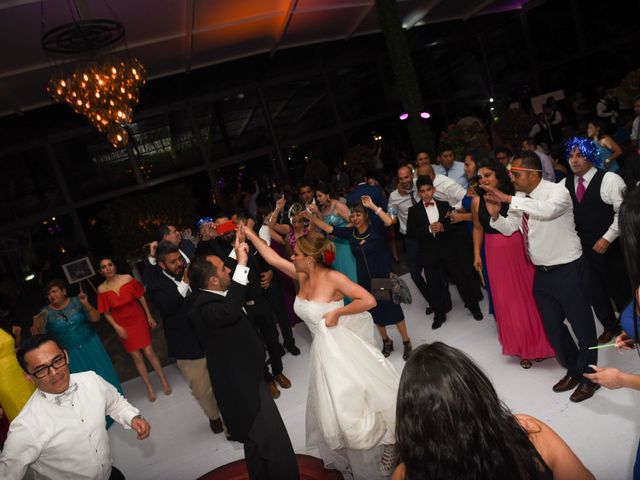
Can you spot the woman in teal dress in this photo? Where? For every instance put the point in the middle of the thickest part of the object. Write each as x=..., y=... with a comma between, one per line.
x=608, y=149
x=67, y=320
x=336, y=214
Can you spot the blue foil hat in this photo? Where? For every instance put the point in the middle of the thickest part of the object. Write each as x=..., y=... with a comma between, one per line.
x=202, y=221
x=587, y=148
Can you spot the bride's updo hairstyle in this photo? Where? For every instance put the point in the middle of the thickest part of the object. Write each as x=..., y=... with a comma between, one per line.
x=317, y=247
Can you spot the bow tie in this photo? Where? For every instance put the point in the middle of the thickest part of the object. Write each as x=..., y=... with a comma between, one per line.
x=63, y=396
x=427, y=204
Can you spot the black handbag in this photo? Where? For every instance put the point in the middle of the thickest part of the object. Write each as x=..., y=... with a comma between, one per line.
x=392, y=289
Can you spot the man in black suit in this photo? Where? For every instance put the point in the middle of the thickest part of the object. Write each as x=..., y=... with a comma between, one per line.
x=168, y=292
x=442, y=248
x=257, y=305
x=235, y=356
x=168, y=233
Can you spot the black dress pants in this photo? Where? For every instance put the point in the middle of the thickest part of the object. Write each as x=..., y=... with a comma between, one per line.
x=261, y=314
x=268, y=450
x=565, y=292
x=600, y=289
x=275, y=296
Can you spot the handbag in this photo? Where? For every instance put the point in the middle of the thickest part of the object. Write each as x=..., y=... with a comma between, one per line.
x=392, y=289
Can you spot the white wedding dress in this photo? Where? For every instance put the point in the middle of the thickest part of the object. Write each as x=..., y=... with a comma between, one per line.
x=351, y=406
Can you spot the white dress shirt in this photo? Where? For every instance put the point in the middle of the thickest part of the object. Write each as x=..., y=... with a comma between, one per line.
x=448, y=190
x=265, y=234
x=552, y=235
x=433, y=215
x=611, y=192
x=183, y=288
x=455, y=173
x=402, y=204
x=66, y=441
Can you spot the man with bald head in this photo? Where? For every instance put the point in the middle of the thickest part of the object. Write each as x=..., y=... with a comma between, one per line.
x=447, y=189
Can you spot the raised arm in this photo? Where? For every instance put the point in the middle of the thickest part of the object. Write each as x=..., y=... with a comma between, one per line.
x=92, y=313
x=281, y=228
x=269, y=254
x=379, y=211
x=318, y=222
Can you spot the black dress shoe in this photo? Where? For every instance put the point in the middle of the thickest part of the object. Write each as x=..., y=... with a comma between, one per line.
x=216, y=425
x=608, y=335
x=437, y=323
x=477, y=314
x=292, y=349
x=428, y=310
x=566, y=384
x=584, y=391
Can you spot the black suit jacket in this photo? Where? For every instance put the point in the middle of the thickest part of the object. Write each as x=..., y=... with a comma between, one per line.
x=235, y=355
x=179, y=333
x=152, y=273
x=443, y=245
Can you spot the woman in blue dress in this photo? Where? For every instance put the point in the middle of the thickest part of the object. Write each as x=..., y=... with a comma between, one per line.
x=629, y=338
x=336, y=214
x=608, y=149
x=373, y=260
x=67, y=320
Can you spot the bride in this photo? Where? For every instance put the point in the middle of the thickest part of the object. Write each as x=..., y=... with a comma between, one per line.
x=352, y=388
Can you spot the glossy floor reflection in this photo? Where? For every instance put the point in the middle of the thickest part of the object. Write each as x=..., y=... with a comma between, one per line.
x=603, y=431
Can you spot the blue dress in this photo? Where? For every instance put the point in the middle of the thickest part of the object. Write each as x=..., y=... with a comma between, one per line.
x=70, y=327
x=373, y=243
x=466, y=204
x=345, y=262
x=605, y=153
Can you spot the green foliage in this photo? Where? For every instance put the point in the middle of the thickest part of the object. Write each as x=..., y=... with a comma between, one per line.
x=465, y=137
x=130, y=222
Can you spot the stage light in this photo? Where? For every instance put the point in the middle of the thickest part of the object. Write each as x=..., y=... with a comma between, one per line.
x=404, y=116
x=425, y=115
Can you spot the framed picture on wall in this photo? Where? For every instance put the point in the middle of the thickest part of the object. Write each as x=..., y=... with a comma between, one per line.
x=78, y=270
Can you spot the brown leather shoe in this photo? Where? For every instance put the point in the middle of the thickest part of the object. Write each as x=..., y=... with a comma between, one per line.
x=566, y=384
x=283, y=381
x=607, y=336
x=273, y=390
x=584, y=391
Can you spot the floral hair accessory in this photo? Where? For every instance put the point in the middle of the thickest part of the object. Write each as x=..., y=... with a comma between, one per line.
x=329, y=257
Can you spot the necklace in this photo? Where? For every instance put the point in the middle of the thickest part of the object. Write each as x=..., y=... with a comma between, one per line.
x=362, y=240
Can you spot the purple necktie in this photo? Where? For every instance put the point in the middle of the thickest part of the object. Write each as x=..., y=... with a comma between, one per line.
x=580, y=190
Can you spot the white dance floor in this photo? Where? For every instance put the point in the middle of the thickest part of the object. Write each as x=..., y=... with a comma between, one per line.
x=603, y=431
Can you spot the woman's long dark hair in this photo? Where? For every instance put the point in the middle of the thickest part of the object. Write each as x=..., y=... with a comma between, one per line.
x=629, y=225
x=452, y=425
x=504, y=182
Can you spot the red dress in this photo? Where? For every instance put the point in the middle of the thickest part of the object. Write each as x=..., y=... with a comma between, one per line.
x=128, y=313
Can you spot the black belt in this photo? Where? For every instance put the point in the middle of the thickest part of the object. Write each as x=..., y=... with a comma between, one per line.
x=548, y=268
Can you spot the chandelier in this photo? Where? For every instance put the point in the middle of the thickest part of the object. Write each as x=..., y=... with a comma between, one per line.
x=98, y=83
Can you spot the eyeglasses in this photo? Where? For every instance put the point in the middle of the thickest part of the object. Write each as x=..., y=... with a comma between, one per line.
x=58, y=362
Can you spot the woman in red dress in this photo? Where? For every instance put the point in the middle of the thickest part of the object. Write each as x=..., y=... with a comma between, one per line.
x=121, y=300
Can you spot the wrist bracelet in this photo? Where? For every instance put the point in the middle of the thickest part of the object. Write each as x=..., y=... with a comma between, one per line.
x=378, y=210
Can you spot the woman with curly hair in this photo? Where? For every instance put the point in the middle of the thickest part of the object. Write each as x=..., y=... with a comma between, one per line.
x=510, y=273
x=467, y=432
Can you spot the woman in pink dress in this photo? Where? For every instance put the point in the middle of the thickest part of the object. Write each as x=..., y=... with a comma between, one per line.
x=121, y=300
x=510, y=272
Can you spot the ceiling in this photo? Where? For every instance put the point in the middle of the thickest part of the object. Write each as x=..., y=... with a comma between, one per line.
x=176, y=36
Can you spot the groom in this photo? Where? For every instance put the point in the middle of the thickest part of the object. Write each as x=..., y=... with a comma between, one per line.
x=235, y=358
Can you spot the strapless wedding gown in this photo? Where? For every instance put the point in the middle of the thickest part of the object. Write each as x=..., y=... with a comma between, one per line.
x=351, y=405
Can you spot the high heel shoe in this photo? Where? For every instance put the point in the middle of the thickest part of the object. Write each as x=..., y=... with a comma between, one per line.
x=407, y=350
x=387, y=346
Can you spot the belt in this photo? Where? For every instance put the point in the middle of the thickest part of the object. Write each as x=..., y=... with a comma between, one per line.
x=250, y=303
x=548, y=268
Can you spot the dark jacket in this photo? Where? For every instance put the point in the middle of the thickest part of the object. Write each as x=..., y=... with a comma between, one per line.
x=235, y=355
x=179, y=333
x=153, y=272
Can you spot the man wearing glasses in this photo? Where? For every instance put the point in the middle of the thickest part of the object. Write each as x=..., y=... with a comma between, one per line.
x=543, y=212
x=61, y=431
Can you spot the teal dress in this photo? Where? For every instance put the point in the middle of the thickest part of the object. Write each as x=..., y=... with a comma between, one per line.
x=70, y=327
x=345, y=262
x=605, y=153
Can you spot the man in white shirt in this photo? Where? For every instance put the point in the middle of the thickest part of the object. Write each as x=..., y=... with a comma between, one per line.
x=543, y=212
x=447, y=189
x=531, y=145
x=61, y=431
x=596, y=197
x=449, y=167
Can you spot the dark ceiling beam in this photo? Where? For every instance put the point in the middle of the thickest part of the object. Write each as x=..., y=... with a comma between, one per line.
x=358, y=21
x=247, y=121
x=286, y=20
x=190, y=19
x=287, y=100
x=475, y=9
x=413, y=18
x=309, y=107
